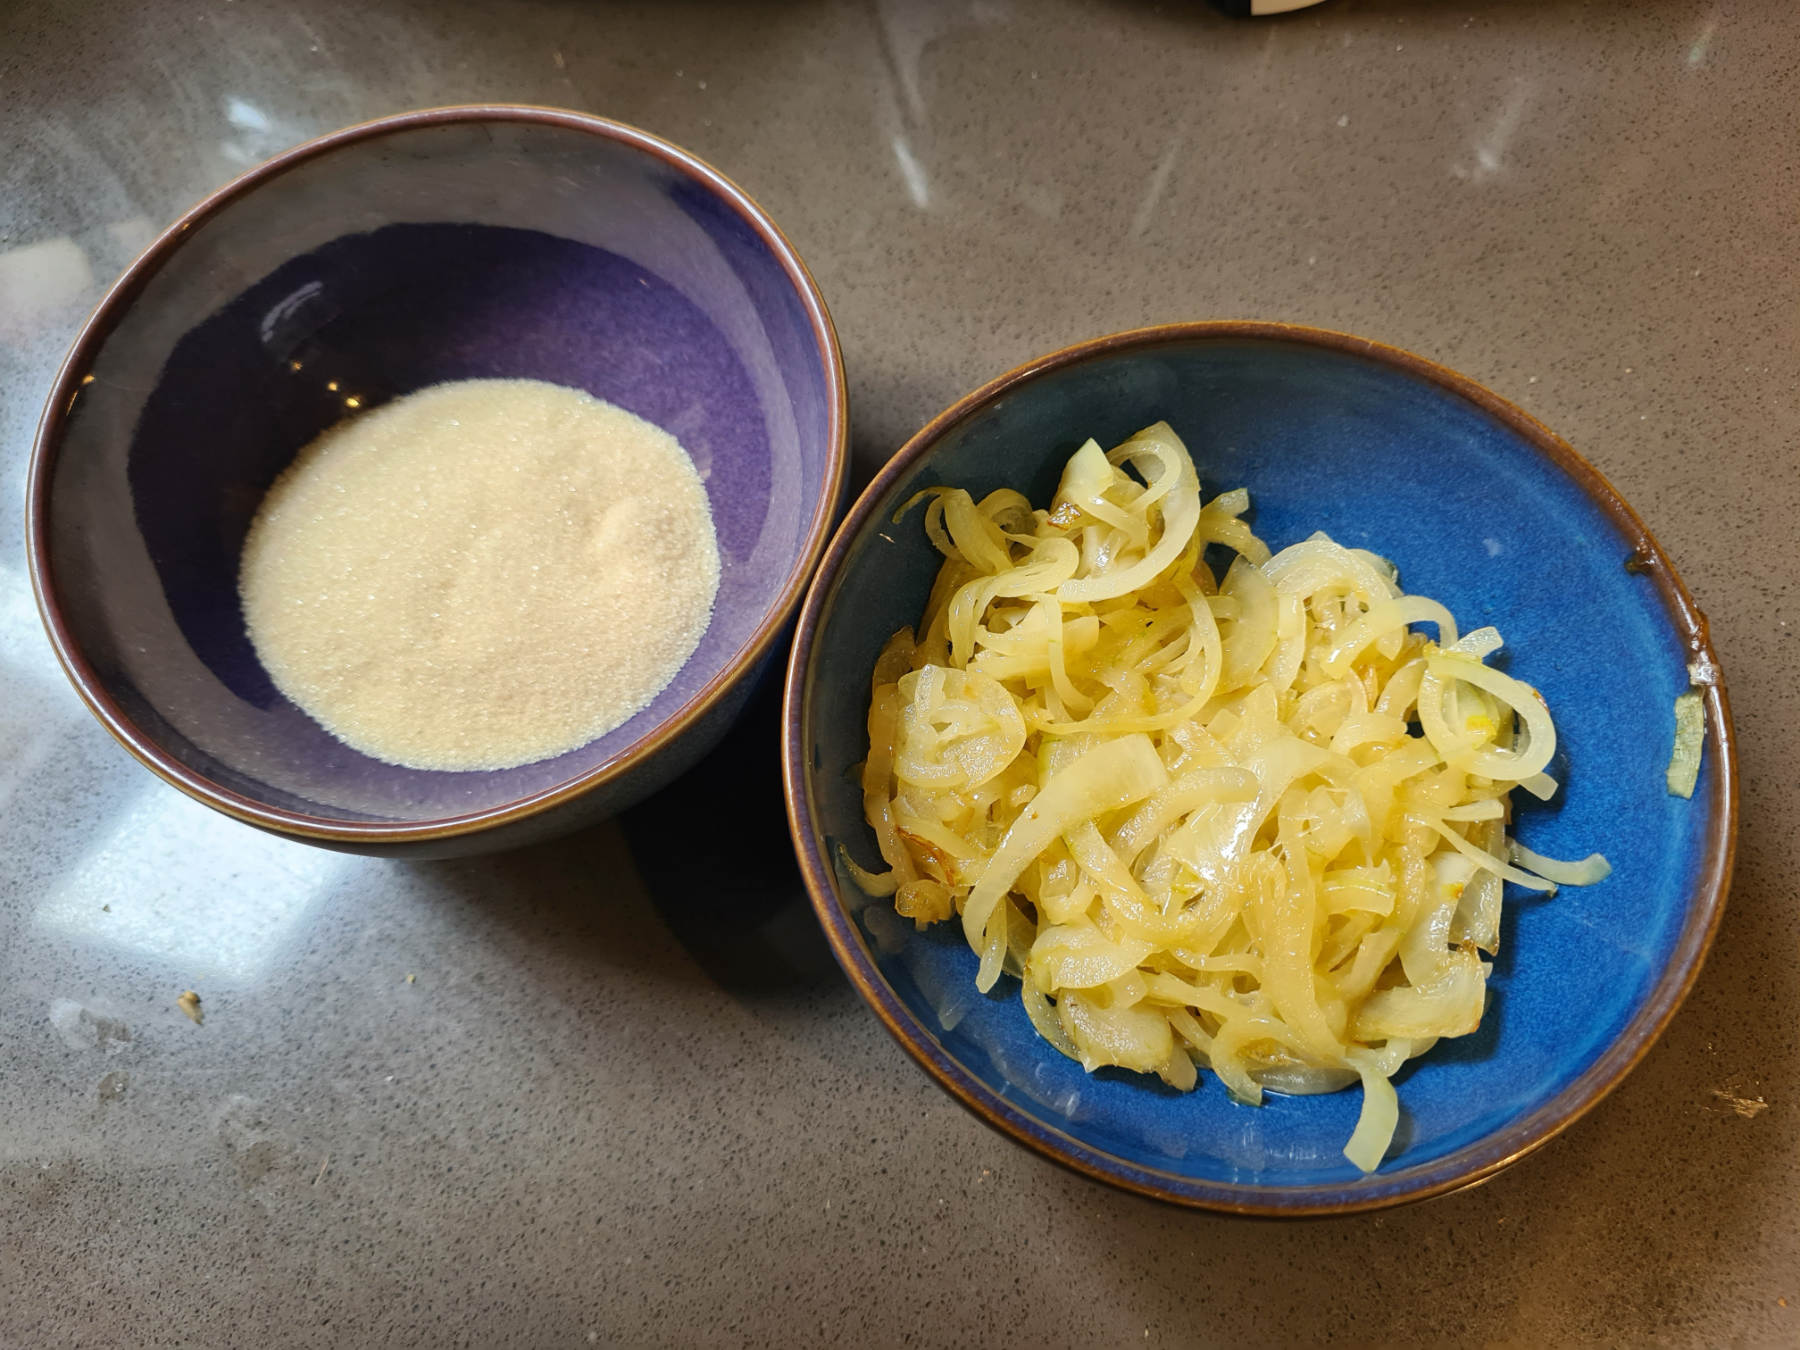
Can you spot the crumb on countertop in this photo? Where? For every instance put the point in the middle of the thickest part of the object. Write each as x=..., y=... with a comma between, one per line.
x=1747, y=1107
x=189, y=1003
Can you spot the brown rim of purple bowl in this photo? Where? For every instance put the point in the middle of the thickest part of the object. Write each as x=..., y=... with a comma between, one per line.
x=1508, y=1145
x=118, y=297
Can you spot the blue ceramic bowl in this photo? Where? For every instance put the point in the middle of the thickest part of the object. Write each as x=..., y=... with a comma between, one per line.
x=450, y=244
x=1483, y=509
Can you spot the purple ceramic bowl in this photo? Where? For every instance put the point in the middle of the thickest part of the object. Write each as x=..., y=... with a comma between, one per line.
x=454, y=243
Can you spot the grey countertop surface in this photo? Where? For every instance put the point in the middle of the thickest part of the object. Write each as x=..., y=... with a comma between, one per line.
x=575, y=1126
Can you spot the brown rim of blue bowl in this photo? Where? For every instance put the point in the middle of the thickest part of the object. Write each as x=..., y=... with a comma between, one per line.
x=1469, y=1166
x=119, y=296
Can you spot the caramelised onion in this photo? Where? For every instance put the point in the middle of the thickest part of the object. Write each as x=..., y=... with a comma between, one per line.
x=1190, y=813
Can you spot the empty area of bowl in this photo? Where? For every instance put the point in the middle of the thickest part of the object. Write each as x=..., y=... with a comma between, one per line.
x=424, y=253
x=1475, y=516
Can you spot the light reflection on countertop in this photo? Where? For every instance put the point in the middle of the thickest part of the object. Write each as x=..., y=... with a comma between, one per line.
x=192, y=889
x=563, y=1129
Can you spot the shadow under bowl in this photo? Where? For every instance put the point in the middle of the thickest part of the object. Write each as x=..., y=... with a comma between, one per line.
x=1481, y=508
x=451, y=244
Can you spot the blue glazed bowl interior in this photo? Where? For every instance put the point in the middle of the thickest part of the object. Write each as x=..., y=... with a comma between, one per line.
x=425, y=253
x=1475, y=516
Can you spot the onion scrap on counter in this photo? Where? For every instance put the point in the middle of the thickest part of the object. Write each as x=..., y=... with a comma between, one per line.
x=1254, y=823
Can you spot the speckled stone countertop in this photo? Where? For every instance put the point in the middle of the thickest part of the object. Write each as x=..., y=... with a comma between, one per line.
x=584, y=1122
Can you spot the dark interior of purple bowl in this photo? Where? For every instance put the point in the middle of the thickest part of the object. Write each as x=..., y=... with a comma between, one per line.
x=441, y=252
